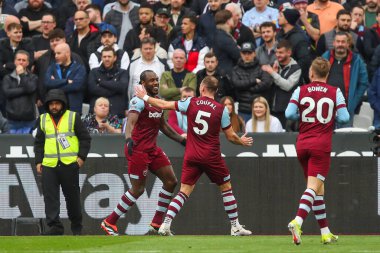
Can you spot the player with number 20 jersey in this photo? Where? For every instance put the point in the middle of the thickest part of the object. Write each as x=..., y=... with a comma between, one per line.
x=317, y=106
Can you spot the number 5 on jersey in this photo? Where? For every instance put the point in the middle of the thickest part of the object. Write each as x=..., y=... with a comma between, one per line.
x=200, y=121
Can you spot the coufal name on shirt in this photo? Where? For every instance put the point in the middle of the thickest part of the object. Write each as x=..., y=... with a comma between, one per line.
x=155, y=115
x=209, y=103
x=317, y=88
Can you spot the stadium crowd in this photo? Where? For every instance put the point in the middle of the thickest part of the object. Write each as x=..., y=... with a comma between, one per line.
x=260, y=51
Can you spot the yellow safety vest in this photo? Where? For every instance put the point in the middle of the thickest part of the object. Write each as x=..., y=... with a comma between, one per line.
x=61, y=144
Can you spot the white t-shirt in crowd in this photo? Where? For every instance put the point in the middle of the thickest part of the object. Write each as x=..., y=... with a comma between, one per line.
x=275, y=126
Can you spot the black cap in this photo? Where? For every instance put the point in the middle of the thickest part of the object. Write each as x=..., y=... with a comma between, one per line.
x=163, y=11
x=247, y=47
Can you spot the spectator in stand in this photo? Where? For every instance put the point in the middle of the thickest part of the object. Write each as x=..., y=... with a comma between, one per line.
x=70, y=23
x=369, y=39
x=4, y=127
x=225, y=47
x=326, y=11
x=161, y=20
x=31, y=17
x=375, y=63
x=199, y=6
x=41, y=42
x=86, y=37
x=101, y=121
x=308, y=21
x=172, y=82
x=248, y=80
x=20, y=92
x=240, y=32
x=109, y=81
x=376, y=26
x=95, y=15
x=147, y=61
x=348, y=72
x=4, y=27
x=371, y=10
x=6, y=10
x=66, y=11
x=296, y=37
x=237, y=122
x=108, y=39
x=194, y=45
x=343, y=25
x=124, y=15
x=56, y=37
x=177, y=12
x=211, y=69
x=132, y=40
x=23, y=4
x=286, y=75
x=258, y=15
x=374, y=98
x=266, y=53
x=262, y=121
x=178, y=120
x=150, y=32
x=206, y=22
x=67, y=75
x=161, y=4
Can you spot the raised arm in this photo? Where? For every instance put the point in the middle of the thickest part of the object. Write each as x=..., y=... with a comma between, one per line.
x=140, y=92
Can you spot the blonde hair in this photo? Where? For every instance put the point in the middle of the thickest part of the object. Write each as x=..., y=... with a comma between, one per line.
x=102, y=99
x=320, y=67
x=263, y=101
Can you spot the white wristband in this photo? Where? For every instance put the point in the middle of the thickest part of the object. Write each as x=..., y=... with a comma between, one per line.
x=145, y=98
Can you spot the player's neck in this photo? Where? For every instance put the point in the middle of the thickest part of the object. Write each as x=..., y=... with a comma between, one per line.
x=321, y=80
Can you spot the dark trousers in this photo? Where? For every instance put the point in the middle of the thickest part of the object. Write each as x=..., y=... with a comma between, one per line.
x=66, y=176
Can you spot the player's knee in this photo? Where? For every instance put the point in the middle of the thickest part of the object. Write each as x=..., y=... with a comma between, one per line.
x=138, y=191
x=171, y=183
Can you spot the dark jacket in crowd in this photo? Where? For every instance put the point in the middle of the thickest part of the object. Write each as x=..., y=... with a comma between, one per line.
x=244, y=83
x=4, y=127
x=41, y=66
x=325, y=42
x=74, y=91
x=33, y=15
x=20, y=94
x=7, y=55
x=242, y=34
x=369, y=40
x=88, y=45
x=300, y=48
x=206, y=27
x=375, y=63
x=112, y=84
x=226, y=50
x=374, y=97
x=80, y=131
x=115, y=17
x=224, y=86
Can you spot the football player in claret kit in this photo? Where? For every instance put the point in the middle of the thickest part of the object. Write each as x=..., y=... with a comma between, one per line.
x=317, y=106
x=205, y=118
x=142, y=153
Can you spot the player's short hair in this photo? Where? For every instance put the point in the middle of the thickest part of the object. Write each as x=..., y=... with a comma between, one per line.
x=102, y=99
x=144, y=74
x=13, y=26
x=268, y=24
x=23, y=52
x=211, y=83
x=343, y=12
x=56, y=33
x=284, y=44
x=222, y=16
x=320, y=67
x=188, y=89
x=210, y=55
x=109, y=49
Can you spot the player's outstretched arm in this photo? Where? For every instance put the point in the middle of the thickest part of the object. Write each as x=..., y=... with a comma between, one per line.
x=169, y=132
x=141, y=93
x=235, y=139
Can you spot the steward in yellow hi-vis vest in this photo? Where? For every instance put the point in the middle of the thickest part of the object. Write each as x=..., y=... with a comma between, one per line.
x=61, y=146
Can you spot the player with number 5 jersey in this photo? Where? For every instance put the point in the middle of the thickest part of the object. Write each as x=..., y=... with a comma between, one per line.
x=317, y=106
x=205, y=118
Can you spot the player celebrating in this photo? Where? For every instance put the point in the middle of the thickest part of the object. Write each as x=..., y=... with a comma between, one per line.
x=205, y=118
x=318, y=103
x=142, y=153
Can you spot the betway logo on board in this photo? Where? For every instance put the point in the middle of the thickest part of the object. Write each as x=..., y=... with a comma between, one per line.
x=155, y=115
x=271, y=150
x=25, y=180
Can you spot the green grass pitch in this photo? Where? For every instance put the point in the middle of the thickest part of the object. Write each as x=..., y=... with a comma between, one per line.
x=199, y=244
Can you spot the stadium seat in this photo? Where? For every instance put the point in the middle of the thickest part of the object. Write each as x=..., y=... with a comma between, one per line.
x=365, y=117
